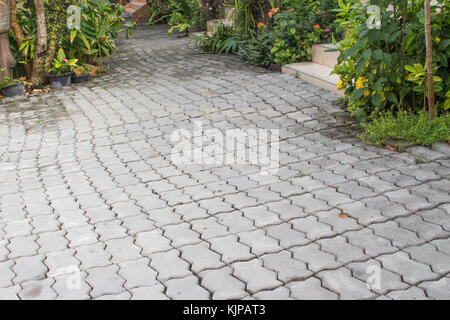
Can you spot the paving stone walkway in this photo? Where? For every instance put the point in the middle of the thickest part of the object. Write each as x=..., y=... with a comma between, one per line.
x=93, y=207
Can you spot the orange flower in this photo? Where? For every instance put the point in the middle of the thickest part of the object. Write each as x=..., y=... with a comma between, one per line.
x=317, y=26
x=270, y=14
x=260, y=25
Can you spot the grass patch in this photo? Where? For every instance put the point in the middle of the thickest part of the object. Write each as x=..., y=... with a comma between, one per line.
x=414, y=128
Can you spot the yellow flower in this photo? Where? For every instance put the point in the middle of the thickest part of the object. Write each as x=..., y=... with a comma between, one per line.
x=360, y=82
x=437, y=39
x=367, y=93
x=339, y=85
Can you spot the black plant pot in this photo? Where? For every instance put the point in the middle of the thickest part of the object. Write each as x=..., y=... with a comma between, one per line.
x=13, y=90
x=80, y=79
x=59, y=81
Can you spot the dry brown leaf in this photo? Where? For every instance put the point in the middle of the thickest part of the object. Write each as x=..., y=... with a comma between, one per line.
x=391, y=148
x=343, y=215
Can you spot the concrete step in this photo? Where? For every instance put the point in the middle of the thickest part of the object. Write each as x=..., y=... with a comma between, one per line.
x=314, y=73
x=320, y=56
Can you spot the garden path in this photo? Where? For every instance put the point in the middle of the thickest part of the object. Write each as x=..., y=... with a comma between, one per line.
x=94, y=206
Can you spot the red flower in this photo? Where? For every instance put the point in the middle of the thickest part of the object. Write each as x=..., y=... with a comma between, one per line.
x=65, y=60
x=327, y=30
x=317, y=26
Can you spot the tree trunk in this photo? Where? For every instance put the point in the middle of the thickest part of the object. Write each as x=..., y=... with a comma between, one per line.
x=37, y=72
x=429, y=60
x=51, y=55
x=18, y=33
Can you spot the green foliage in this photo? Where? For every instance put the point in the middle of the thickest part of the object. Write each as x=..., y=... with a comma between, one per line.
x=100, y=25
x=61, y=64
x=184, y=14
x=414, y=128
x=248, y=13
x=373, y=67
x=6, y=81
x=224, y=40
x=300, y=25
x=257, y=49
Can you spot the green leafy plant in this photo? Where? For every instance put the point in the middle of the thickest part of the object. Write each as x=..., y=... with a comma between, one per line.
x=257, y=49
x=417, y=74
x=61, y=64
x=414, y=128
x=184, y=14
x=373, y=63
x=224, y=40
x=100, y=25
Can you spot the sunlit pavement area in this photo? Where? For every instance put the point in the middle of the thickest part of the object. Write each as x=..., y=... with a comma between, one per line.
x=94, y=207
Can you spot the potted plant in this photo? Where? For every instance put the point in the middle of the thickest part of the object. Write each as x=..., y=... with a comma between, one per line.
x=60, y=74
x=11, y=87
x=80, y=74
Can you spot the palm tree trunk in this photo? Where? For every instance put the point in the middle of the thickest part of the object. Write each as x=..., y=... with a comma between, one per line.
x=429, y=54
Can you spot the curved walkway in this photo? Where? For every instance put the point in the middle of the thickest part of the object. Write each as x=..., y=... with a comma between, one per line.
x=93, y=204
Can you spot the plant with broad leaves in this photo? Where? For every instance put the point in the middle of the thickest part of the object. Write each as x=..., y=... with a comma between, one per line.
x=61, y=64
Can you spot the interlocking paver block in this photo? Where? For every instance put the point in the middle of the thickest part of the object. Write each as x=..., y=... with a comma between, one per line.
x=255, y=275
x=152, y=241
x=312, y=228
x=169, y=265
x=235, y=221
x=287, y=268
x=310, y=289
x=426, y=253
x=411, y=271
x=37, y=290
x=93, y=255
x=201, y=257
x=123, y=249
x=29, y=268
x=261, y=216
x=259, y=242
x=315, y=259
x=22, y=246
x=72, y=286
x=439, y=289
x=138, y=274
x=222, y=284
x=368, y=270
x=287, y=235
x=186, y=288
x=342, y=282
x=230, y=249
x=277, y=294
x=105, y=280
x=6, y=274
x=148, y=293
x=373, y=245
x=81, y=235
x=412, y=293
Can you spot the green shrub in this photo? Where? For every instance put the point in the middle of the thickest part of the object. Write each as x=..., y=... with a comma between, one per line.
x=224, y=40
x=298, y=26
x=257, y=49
x=372, y=61
x=414, y=128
